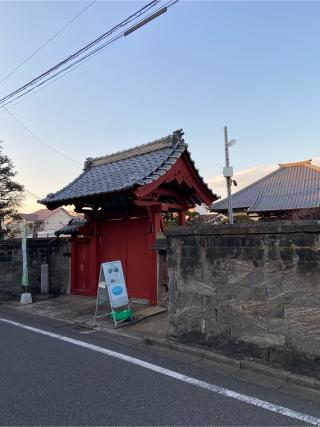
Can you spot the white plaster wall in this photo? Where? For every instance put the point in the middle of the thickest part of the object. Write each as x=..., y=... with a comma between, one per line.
x=57, y=220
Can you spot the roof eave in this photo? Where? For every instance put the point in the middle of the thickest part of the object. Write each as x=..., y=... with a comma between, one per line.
x=53, y=204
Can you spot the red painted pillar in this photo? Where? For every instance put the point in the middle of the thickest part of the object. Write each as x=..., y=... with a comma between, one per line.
x=93, y=260
x=73, y=265
x=182, y=218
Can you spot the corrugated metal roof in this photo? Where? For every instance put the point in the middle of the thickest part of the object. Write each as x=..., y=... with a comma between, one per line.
x=123, y=170
x=292, y=186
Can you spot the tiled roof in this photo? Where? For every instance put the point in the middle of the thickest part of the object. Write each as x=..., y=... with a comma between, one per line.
x=292, y=186
x=123, y=170
x=207, y=219
x=29, y=216
x=41, y=214
x=73, y=226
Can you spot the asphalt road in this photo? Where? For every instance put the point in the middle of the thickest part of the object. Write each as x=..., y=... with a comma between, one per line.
x=45, y=380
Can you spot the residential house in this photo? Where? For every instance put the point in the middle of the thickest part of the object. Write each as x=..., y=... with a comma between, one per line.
x=42, y=223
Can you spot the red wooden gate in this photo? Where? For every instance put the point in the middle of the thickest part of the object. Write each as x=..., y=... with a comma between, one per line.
x=129, y=241
x=81, y=262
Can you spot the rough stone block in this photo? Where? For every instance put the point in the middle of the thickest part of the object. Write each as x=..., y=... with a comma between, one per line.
x=217, y=333
x=299, y=239
x=308, y=254
x=259, y=288
x=214, y=327
x=186, y=300
x=223, y=313
x=289, y=253
x=308, y=267
x=259, y=293
x=190, y=251
x=210, y=301
x=243, y=324
x=265, y=340
x=198, y=286
x=214, y=253
x=172, y=261
x=37, y=252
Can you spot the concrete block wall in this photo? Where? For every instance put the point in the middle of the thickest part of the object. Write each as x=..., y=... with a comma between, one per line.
x=40, y=251
x=251, y=289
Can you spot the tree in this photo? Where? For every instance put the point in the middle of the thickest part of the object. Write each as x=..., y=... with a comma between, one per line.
x=11, y=192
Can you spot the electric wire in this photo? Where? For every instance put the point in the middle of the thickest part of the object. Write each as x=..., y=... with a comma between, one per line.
x=48, y=40
x=90, y=54
x=32, y=194
x=84, y=49
x=45, y=85
x=71, y=57
x=67, y=70
x=71, y=67
x=37, y=138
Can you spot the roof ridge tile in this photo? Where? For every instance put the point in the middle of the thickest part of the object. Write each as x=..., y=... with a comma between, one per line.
x=158, y=144
x=147, y=163
x=293, y=164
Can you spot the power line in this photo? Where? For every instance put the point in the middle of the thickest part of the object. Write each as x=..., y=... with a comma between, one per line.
x=48, y=84
x=32, y=194
x=48, y=41
x=82, y=50
x=79, y=62
x=39, y=139
x=36, y=82
x=2, y=108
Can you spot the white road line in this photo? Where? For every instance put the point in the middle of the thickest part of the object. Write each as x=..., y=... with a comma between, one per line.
x=176, y=375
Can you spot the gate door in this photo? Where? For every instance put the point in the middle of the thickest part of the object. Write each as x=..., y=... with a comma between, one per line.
x=127, y=240
x=81, y=268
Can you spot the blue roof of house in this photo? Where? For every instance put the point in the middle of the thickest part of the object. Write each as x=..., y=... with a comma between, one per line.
x=292, y=186
x=123, y=170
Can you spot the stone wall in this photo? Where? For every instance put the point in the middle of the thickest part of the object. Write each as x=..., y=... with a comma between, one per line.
x=55, y=252
x=253, y=289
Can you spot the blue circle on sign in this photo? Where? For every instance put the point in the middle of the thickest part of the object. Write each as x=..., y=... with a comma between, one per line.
x=117, y=290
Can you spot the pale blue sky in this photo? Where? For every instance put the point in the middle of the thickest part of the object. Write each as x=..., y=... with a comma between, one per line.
x=254, y=66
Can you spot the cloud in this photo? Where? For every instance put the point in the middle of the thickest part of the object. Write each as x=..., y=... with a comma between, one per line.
x=245, y=177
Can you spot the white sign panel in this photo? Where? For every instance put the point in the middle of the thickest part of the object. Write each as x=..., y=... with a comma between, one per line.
x=116, y=285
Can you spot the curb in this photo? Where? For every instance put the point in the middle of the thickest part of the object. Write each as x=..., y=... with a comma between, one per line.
x=278, y=373
x=255, y=367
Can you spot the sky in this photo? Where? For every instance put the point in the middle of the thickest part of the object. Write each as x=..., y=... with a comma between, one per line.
x=252, y=66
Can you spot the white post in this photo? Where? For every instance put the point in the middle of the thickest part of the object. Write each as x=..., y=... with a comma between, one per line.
x=26, y=296
x=228, y=174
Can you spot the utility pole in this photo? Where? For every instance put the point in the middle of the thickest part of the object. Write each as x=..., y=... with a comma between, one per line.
x=228, y=171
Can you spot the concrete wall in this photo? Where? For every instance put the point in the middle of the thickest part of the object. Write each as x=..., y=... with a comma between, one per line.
x=252, y=289
x=39, y=251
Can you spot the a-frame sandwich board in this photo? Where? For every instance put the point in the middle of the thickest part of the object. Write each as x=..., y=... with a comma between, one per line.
x=112, y=291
